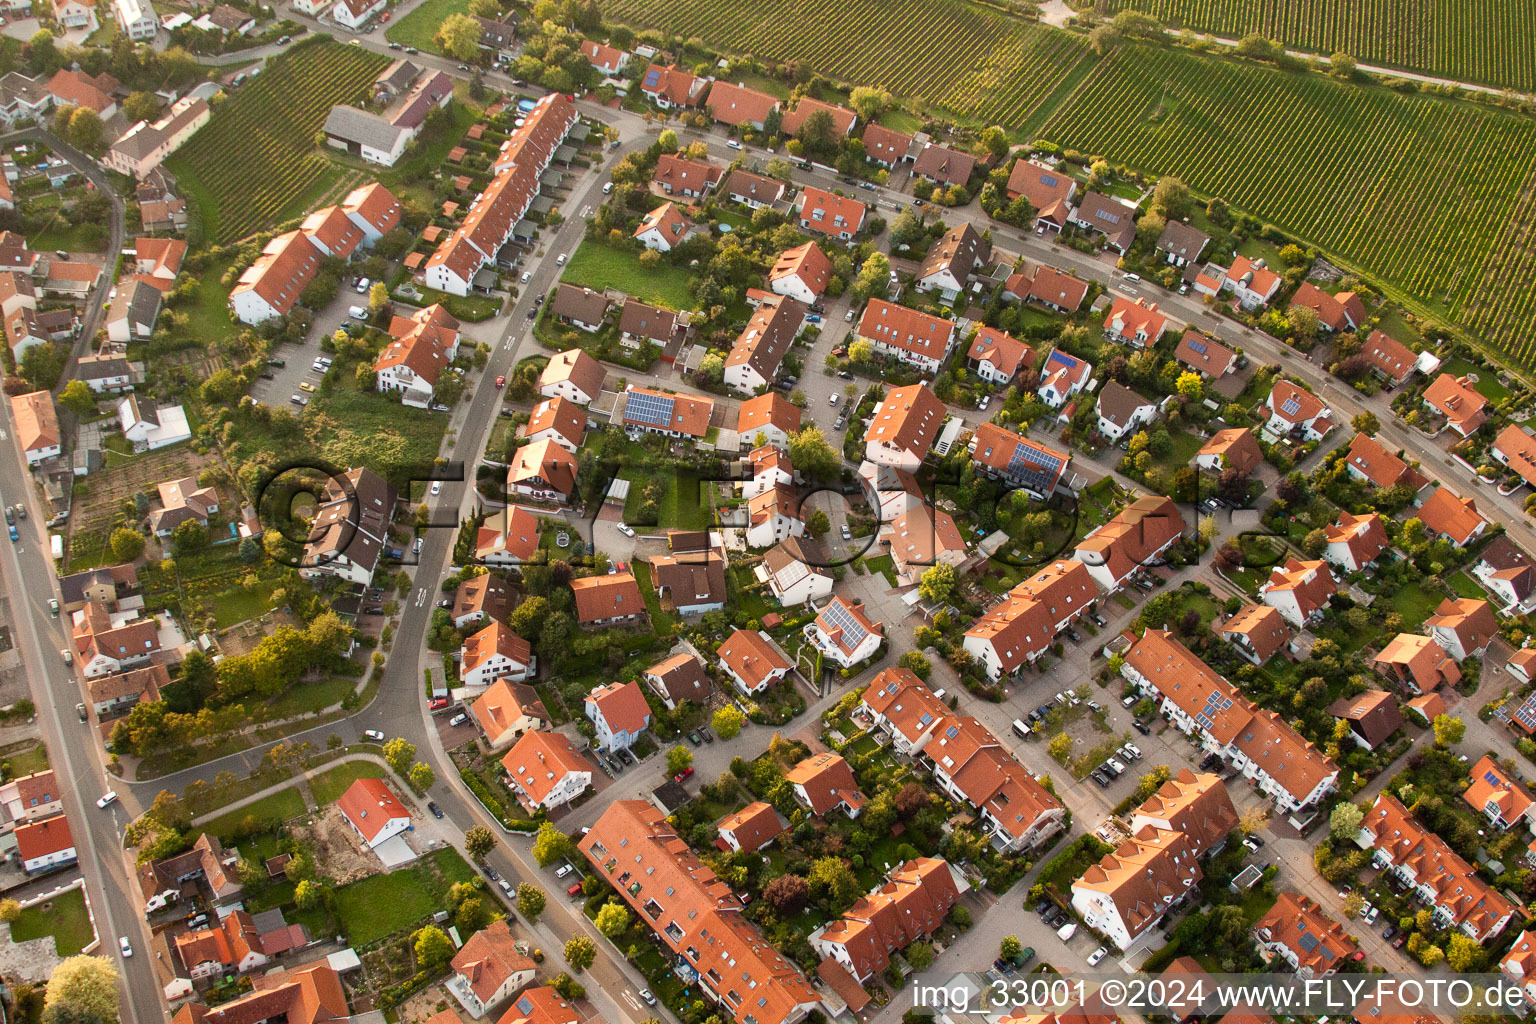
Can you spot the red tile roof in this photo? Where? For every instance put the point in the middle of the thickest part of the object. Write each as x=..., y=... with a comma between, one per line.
x=370, y=805
x=909, y=330
x=794, y=120
x=607, y=597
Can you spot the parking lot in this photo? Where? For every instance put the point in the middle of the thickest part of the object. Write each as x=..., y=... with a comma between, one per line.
x=299, y=359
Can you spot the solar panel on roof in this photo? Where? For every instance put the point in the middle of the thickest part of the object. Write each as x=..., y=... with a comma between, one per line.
x=1113, y=218
x=1492, y=779
x=1036, y=469
x=1048, y=180
x=653, y=410
x=1290, y=406
x=839, y=617
x=651, y=78
x=1197, y=346
x=1308, y=941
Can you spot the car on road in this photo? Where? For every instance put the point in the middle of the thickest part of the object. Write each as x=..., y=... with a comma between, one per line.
x=732, y=144
x=490, y=873
x=1133, y=277
x=847, y=533
x=866, y=185
x=1095, y=706
x=842, y=421
x=14, y=535
x=501, y=380
x=107, y=798
x=1400, y=941
x=10, y=516
x=504, y=885
x=693, y=738
x=410, y=49
x=80, y=710
x=53, y=607
x=686, y=773
x=626, y=530
x=437, y=812
x=437, y=488
x=848, y=317
x=1096, y=956
x=464, y=67
x=68, y=655
x=1390, y=933
x=527, y=276
x=646, y=997
x=1249, y=842
x=373, y=736
x=607, y=187
x=395, y=46
x=125, y=946
x=560, y=260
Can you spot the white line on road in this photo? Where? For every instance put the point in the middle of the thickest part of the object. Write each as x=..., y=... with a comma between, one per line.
x=421, y=596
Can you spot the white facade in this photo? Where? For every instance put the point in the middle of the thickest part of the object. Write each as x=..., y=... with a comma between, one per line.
x=497, y=666
x=136, y=18
x=796, y=583
x=344, y=15
x=1140, y=415
x=774, y=528
x=793, y=286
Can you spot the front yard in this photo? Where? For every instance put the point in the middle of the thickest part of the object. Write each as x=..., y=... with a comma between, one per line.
x=63, y=917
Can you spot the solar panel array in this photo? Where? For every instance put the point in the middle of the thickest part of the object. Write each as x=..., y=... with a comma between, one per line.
x=1215, y=704
x=838, y=616
x=1062, y=358
x=1113, y=218
x=1526, y=713
x=1036, y=469
x=652, y=410
x=652, y=77
x=1049, y=180
x=1290, y=406
x=1196, y=345
x=1492, y=779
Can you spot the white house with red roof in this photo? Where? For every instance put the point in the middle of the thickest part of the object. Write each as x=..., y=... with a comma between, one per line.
x=771, y=415
x=44, y=845
x=752, y=661
x=910, y=335
x=546, y=770
x=1354, y=542
x=1135, y=323
x=829, y=213
x=1061, y=377
x=573, y=375
x=354, y=14
x=801, y=273
x=620, y=714
x=1299, y=591
x=662, y=228
x=844, y=633
x=610, y=60
x=1251, y=282
x=374, y=812
x=493, y=653
x=1295, y=410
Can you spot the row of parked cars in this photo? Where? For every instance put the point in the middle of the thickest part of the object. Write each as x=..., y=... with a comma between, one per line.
x=1114, y=766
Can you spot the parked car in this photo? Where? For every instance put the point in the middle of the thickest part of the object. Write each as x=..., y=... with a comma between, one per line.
x=847, y=533
x=646, y=997
x=1101, y=779
x=626, y=530
x=574, y=890
x=703, y=731
x=683, y=775
x=373, y=736
x=1003, y=965
x=693, y=738
x=563, y=870
x=458, y=719
x=437, y=703
x=1096, y=956
x=437, y=812
x=845, y=375
x=53, y=607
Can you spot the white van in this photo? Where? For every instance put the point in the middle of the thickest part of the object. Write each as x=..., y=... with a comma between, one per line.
x=1020, y=728
x=357, y=313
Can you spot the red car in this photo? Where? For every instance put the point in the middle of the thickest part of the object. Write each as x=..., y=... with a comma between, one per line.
x=685, y=773
x=501, y=381
x=437, y=703
x=574, y=890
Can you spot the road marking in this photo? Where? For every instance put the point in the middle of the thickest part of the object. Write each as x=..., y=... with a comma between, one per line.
x=586, y=211
x=421, y=596
x=631, y=1000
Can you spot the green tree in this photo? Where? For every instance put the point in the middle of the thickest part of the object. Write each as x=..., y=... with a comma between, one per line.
x=378, y=296
x=818, y=524
x=868, y=102
x=421, y=776
x=678, y=758
x=1342, y=65
x=915, y=662
x=550, y=844
x=529, y=616
x=479, y=841
x=126, y=544
x=189, y=538
x=612, y=920
x=874, y=277
x=1172, y=196
x=530, y=900
x=471, y=916
x=85, y=985
x=398, y=754
x=919, y=955
x=1060, y=747
x=810, y=453
x=85, y=129
x=1448, y=730
x=937, y=583
x=862, y=352
x=1464, y=952
x=78, y=398
x=10, y=910
x=141, y=106
x=1010, y=947
x=433, y=949
x=727, y=722
x=580, y=953
x=459, y=36
x=832, y=880
x=1190, y=384
x=667, y=141
x=1366, y=423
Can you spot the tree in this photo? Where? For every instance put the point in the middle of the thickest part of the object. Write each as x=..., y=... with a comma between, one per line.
x=1315, y=542
x=869, y=103
x=141, y=106
x=916, y=663
x=189, y=538
x=1448, y=730
x=580, y=952
x=398, y=754
x=126, y=544
x=485, y=9
x=9, y=910
x=471, y=916
x=910, y=799
x=1190, y=384
x=1010, y=947
x=421, y=776
x=612, y=920
x=85, y=129
x=818, y=133
x=1353, y=904
x=250, y=550
x=678, y=759
x=1342, y=65
x=1366, y=423
x=667, y=141
x=378, y=296
x=78, y=398
x=1060, y=747
x=727, y=722
x=874, y=277
x=861, y=351
x=530, y=900
x=84, y=985
x=787, y=893
x=529, y=616
x=818, y=524
x=810, y=453
x=1172, y=197
x=919, y=955
x=479, y=841
x=1303, y=322
x=550, y=844
x=833, y=880
x=1463, y=953
x=433, y=949
x=459, y=36
x=937, y=584
x=1344, y=822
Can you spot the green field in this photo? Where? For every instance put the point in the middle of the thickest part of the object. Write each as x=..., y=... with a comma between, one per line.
x=418, y=27
x=65, y=919
x=944, y=53
x=598, y=266
x=284, y=804
x=1487, y=41
x=1438, y=198
x=381, y=905
x=257, y=155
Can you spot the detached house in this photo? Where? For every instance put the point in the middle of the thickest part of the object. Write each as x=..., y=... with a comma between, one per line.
x=1355, y=542
x=1509, y=574
x=543, y=471
x=507, y=710
x=903, y=427
x=1258, y=631
x=908, y=335
x=1048, y=287
x=844, y=633
x=1342, y=312
x=997, y=357
x=1233, y=448
x=1061, y=377
x=36, y=425
x=572, y=375
x=1417, y=663
x=1447, y=514
x=754, y=191
x=752, y=661
x=643, y=324
x=738, y=106
x=829, y=214
x=546, y=770
x=662, y=228
x=1024, y=625
x=760, y=348
x=488, y=970
x=582, y=308
x=1299, y=591
x=619, y=713
x=1205, y=355
x=1019, y=461
x=944, y=166
x=1373, y=717
x=801, y=273
x=1296, y=931
x=669, y=86
x=751, y=828
x=1369, y=462
x=771, y=416
x=823, y=783
x=1181, y=244
x=886, y=146
x=374, y=812
x=842, y=118
x=1109, y=217
x=1134, y=323
x=1463, y=626
x=904, y=709
x=422, y=345
x=1296, y=412
x=1503, y=803
x=679, y=176
x=493, y=653
x=1122, y=411
x=1048, y=190
x=678, y=678
x=1462, y=406
x=792, y=580
x=610, y=600
x=557, y=420
x=950, y=261
x=1390, y=359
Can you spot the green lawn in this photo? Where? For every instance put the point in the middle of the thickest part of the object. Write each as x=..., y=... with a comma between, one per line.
x=26, y=761
x=381, y=905
x=598, y=266
x=1466, y=586
x=1414, y=604
x=683, y=504
x=884, y=565
x=310, y=697
x=59, y=233
x=284, y=804
x=417, y=28
x=329, y=785
x=661, y=622
x=64, y=918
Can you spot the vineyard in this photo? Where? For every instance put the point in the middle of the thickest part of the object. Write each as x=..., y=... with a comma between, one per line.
x=258, y=154
x=1488, y=41
x=948, y=55
x=1437, y=198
